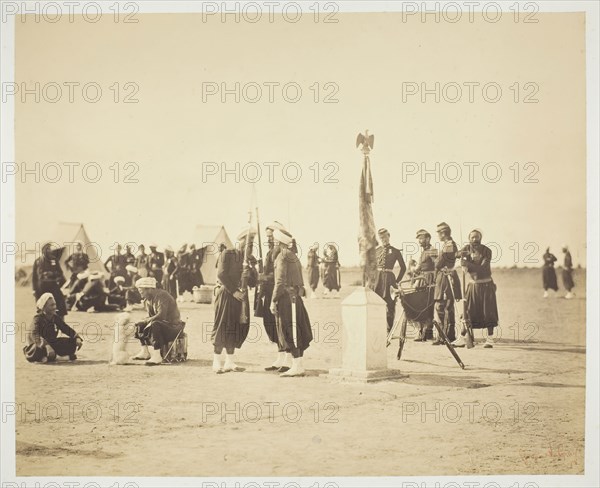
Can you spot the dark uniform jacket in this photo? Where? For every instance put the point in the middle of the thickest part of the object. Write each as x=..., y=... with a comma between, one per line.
x=46, y=328
x=77, y=262
x=387, y=257
x=46, y=271
x=288, y=274
x=447, y=259
x=162, y=307
x=477, y=261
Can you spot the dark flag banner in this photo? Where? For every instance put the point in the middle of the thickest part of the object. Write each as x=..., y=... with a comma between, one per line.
x=366, y=239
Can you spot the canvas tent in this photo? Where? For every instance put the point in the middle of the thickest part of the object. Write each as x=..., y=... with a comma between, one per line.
x=65, y=236
x=210, y=237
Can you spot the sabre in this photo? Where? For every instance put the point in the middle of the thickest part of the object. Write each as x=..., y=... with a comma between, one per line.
x=294, y=331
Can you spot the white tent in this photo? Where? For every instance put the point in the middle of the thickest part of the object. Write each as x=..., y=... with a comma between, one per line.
x=65, y=235
x=210, y=237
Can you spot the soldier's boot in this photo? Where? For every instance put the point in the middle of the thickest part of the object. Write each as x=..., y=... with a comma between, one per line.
x=143, y=355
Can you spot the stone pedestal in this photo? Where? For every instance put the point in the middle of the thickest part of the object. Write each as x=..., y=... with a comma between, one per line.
x=364, y=335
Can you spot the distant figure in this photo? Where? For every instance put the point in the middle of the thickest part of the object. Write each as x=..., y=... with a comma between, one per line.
x=170, y=272
x=567, y=273
x=115, y=265
x=77, y=263
x=48, y=277
x=196, y=261
x=156, y=261
x=548, y=272
x=141, y=262
x=312, y=267
x=331, y=280
x=130, y=259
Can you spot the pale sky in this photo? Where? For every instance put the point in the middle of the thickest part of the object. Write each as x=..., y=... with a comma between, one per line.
x=366, y=58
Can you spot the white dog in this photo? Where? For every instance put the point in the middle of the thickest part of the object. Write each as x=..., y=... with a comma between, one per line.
x=124, y=329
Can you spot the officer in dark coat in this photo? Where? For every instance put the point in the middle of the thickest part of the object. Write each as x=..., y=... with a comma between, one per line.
x=116, y=265
x=48, y=277
x=447, y=283
x=312, y=267
x=293, y=324
x=387, y=256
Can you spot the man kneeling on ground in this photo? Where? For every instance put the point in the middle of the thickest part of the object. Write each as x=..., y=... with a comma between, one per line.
x=163, y=324
x=43, y=343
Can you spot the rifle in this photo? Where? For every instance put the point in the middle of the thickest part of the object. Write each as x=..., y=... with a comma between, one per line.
x=245, y=312
x=260, y=251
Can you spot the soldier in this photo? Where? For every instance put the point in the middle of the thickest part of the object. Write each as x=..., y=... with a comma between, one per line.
x=129, y=256
x=293, y=324
x=447, y=284
x=481, y=310
x=387, y=257
x=312, y=267
x=567, y=273
x=48, y=276
x=170, y=272
x=425, y=276
x=156, y=261
x=116, y=265
x=230, y=329
x=263, y=301
x=43, y=343
x=163, y=324
x=141, y=262
x=195, y=263
x=77, y=263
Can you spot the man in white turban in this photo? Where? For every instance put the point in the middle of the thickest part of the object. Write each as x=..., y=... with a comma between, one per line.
x=163, y=324
x=43, y=344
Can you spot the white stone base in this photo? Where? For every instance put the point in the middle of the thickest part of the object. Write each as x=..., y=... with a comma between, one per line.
x=369, y=376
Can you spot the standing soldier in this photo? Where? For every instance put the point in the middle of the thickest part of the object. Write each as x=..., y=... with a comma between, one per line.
x=387, y=257
x=117, y=264
x=447, y=284
x=183, y=273
x=313, y=269
x=293, y=325
x=229, y=330
x=170, y=272
x=141, y=262
x=425, y=274
x=481, y=310
x=48, y=277
x=567, y=273
x=331, y=273
x=77, y=263
x=156, y=261
x=263, y=301
x=196, y=260
x=129, y=256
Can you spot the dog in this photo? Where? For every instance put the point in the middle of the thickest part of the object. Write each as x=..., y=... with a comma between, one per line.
x=124, y=329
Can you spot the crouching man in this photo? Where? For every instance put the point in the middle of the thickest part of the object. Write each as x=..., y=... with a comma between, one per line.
x=43, y=343
x=163, y=324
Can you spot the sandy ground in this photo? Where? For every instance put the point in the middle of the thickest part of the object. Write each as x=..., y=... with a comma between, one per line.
x=516, y=409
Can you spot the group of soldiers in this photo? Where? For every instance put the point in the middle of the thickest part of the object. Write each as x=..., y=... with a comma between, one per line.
x=549, y=273
x=87, y=290
x=326, y=268
x=437, y=269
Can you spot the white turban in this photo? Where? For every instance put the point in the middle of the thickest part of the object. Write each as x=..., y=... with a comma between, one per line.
x=275, y=225
x=41, y=303
x=132, y=268
x=148, y=282
x=119, y=279
x=282, y=236
x=169, y=248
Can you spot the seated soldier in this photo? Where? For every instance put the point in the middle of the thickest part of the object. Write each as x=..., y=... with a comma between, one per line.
x=93, y=296
x=163, y=324
x=76, y=288
x=43, y=344
x=116, y=295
